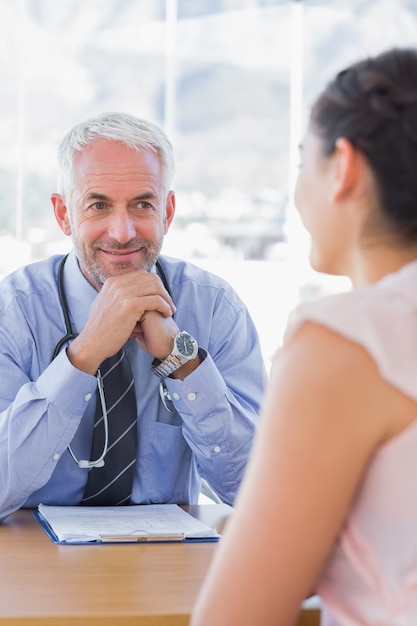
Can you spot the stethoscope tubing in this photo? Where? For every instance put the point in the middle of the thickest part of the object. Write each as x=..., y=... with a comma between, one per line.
x=70, y=335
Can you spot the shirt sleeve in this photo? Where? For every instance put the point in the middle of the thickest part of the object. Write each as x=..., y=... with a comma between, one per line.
x=219, y=402
x=37, y=422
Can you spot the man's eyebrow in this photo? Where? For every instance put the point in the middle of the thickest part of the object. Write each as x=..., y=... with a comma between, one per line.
x=97, y=196
x=149, y=195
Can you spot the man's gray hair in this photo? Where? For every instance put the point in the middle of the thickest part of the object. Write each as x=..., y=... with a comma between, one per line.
x=134, y=132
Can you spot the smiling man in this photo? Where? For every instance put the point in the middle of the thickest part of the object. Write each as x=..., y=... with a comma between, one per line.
x=127, y=377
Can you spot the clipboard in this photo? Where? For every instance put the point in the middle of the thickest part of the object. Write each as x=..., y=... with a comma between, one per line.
x=179, y=527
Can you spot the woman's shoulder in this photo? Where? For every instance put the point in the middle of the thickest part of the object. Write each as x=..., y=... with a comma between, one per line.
x=382, y=318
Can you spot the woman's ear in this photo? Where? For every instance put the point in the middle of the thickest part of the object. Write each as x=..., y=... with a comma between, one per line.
x=61, y=213
x=347, y=167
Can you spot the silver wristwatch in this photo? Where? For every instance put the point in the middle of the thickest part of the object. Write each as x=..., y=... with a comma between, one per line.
x=185, y=348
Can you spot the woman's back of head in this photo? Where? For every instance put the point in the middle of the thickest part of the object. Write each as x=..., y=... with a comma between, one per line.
x=373, y=104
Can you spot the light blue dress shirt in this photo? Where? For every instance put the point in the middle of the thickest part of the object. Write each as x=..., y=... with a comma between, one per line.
x=45, y=405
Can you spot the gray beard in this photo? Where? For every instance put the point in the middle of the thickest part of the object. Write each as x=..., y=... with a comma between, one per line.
x=96, y=275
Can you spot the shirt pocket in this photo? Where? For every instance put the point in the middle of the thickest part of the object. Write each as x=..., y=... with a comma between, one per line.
x=168, y=468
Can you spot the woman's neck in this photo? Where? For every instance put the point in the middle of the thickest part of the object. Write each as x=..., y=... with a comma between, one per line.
x=373, y=263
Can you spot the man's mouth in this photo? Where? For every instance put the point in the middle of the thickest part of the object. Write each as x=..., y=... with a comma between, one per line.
x=124, y=255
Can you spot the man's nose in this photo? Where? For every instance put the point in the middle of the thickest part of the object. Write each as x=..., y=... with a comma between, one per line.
x=121, y=227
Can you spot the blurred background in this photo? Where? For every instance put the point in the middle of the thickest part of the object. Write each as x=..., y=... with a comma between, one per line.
x=231, y=81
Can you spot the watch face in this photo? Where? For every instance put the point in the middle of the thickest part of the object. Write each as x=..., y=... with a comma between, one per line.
x=185, y=344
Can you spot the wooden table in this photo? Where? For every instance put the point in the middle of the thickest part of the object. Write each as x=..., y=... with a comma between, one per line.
x=44, y=584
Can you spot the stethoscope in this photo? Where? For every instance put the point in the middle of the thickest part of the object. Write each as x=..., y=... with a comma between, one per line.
x=70, y=335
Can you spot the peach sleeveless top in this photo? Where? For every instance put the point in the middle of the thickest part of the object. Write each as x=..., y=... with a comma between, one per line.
x=371, y=576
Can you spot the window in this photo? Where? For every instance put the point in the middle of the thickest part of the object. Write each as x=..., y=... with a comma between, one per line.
x=230, y=80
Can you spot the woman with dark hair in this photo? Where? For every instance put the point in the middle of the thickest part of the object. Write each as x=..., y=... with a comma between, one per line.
x=329, y=501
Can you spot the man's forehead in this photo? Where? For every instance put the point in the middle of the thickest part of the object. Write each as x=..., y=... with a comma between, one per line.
x=106, y=157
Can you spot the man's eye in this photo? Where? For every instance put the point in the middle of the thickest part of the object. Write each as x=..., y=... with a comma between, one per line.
x=99, y=206
x=144, y=205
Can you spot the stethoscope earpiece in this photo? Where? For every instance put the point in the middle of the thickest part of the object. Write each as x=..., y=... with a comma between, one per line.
x=89, y=464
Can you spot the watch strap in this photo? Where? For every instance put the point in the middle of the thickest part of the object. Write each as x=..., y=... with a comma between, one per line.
x=175, y=360
x=166, y=367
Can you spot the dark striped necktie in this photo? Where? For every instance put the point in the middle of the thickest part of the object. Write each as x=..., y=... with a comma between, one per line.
x=112, y=483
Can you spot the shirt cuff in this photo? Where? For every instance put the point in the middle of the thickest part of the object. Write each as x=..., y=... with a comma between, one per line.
x=66, y=387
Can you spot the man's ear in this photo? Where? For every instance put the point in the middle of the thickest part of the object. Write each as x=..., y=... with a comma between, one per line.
x=61, y=213
x=169, y=211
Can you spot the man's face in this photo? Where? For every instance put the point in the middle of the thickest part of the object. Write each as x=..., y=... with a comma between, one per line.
x=117, y=210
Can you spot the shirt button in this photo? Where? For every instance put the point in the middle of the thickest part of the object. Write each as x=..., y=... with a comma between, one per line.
x=191, y=396
x=55, y=457
x=176, y=396
x=88, y=397
x=217, y=449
